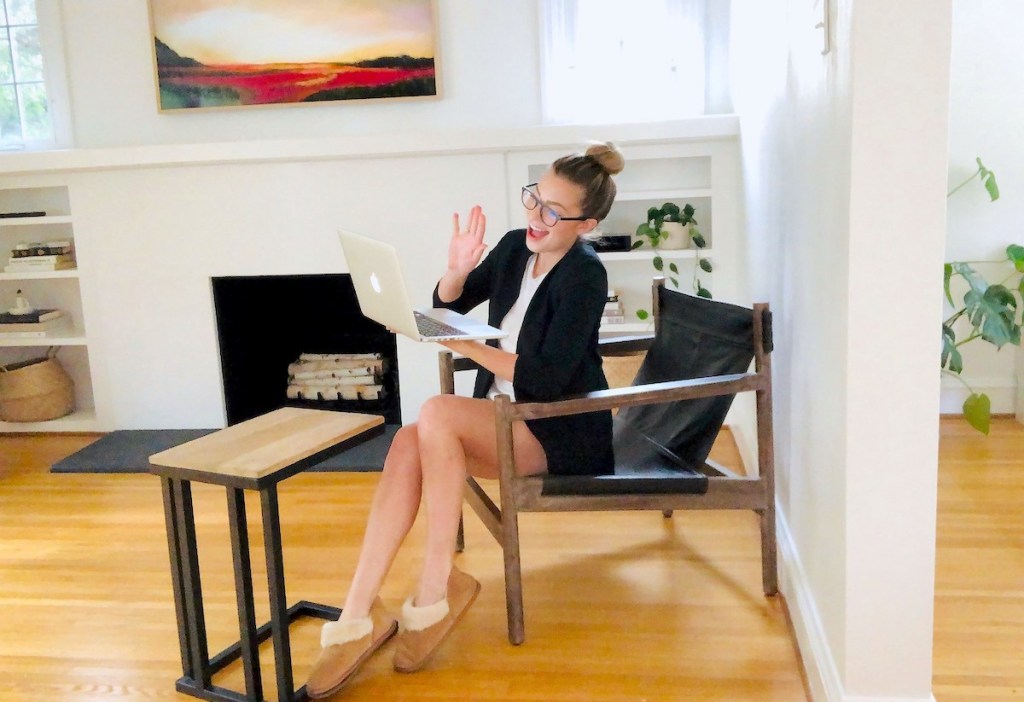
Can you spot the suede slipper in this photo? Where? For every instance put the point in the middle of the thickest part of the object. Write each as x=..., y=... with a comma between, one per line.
x=425, y=628
x=345, y=646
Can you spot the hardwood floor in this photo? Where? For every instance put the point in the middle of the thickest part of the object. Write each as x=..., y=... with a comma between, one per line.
x=979, y=589
x=618, y=606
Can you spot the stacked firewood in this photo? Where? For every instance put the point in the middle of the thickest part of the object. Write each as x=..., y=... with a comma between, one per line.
x=336, y=376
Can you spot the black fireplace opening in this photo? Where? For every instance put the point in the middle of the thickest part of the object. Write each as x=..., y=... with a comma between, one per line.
x=301, y=341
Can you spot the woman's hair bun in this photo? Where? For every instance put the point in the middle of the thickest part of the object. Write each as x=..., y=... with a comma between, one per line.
x=608, y=156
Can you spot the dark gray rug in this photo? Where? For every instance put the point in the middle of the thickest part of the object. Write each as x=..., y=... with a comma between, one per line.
x=128, y=451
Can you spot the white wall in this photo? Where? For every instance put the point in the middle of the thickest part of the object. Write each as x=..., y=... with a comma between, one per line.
x=488, y=67
x=986, y=104
x=844, y=170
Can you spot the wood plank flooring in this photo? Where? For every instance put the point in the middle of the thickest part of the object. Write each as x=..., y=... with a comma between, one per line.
x=618, y=606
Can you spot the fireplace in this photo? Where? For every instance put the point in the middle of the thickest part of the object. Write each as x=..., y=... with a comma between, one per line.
x=301, y=341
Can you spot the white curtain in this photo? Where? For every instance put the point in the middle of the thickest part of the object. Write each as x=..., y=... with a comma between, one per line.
x=608, y=62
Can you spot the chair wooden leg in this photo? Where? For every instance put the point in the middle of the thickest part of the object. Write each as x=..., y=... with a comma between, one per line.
x=769, y=551
x=460, y=537
x=513, y=579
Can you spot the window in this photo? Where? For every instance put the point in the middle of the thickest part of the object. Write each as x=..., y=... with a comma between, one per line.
x=28, y=83
x=637, y=61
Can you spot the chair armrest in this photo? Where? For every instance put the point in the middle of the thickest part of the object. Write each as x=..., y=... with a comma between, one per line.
x=652, y=393
x=625, y=345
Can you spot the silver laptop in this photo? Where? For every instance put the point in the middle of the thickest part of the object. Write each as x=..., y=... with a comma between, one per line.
x=380, y=287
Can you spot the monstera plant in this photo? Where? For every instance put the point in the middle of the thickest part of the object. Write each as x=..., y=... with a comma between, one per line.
x=992, y=310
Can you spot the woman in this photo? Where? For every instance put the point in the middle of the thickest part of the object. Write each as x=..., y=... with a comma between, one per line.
x=547, y=289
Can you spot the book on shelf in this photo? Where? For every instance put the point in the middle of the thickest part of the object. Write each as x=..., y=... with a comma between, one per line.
x=613, y=308
x=30, y=329
x=14, y=215
x=32, y=317
x=613, y=296
x=613, y=319
x=42, y=259
x=41, y=248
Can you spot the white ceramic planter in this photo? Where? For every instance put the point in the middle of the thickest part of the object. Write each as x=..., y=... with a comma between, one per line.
x=675, y=236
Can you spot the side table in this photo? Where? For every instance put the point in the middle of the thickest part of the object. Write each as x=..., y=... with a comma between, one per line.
x=253, y=455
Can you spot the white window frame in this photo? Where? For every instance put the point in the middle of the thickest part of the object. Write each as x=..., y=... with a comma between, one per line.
x=51, y=44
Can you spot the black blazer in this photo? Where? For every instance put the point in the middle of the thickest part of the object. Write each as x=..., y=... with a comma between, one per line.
x=558, y=345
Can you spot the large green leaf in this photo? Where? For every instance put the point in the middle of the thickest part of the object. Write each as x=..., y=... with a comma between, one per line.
x=988, y=179
x=659, y=263
x=1015, y=253
x=643, y=314
x=670, y=212
x=702, y=291
x=993, y=313
x=951, y=357
x=978, y=411
x=705, y=265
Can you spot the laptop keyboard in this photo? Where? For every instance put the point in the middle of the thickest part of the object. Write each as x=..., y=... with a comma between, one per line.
x=429, y=326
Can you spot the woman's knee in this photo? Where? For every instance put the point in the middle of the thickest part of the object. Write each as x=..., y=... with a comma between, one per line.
x=439, y=412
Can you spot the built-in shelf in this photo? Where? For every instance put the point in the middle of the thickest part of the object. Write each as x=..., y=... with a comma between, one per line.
x=34, y=221
x=82, y=420
x=628, y=328
x=68, y=273
x=46, y=289
x=647, y=254
x=74, y=338
x=663, y=195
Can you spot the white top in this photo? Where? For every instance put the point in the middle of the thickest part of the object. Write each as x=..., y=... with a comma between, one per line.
x=513, y=322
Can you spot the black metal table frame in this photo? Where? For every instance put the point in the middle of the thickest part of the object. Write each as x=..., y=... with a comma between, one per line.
x=198, y=667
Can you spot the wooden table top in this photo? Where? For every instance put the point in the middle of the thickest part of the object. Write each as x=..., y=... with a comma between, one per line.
x=256, y=449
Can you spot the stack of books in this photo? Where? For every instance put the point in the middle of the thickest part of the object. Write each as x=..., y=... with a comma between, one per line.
x=32, y=324
x=41, y=257
x=613, y=310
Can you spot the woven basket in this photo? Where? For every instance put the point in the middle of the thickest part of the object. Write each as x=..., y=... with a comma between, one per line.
x=35, y=390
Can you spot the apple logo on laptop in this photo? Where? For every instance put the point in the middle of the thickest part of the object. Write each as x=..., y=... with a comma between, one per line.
x=375, y=283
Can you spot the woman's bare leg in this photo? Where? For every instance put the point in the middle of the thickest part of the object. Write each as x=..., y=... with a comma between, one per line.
x=395, y=504
x=457, y=435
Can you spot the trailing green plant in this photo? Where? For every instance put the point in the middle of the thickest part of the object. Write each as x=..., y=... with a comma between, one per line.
x=652, y=232
x=993, y=311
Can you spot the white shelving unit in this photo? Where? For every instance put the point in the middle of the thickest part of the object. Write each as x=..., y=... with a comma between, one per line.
x=51, y=289
x=700, y=173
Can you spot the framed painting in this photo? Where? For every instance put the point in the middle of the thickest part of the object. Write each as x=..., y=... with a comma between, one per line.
x=234, y=53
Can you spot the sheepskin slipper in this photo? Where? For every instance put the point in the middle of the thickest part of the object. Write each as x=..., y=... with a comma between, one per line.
x=425, y=628
x=345, y=646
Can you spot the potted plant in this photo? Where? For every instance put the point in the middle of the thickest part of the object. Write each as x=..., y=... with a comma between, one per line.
x=991, y=311
x=662, y=229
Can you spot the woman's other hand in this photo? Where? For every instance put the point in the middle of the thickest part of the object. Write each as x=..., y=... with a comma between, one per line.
x=467, y=245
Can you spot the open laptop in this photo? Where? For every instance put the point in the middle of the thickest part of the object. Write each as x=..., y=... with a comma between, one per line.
x=380, y=287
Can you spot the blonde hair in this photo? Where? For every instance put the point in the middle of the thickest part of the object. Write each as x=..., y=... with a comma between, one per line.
x=592, y=171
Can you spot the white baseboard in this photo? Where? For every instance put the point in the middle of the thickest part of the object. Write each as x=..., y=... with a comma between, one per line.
x=1002, y=393
x=819, y=664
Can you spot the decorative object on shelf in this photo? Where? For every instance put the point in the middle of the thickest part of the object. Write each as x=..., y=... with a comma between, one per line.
x=607, y=243
x=665, y=228
x=22, y=308
x=993, y=311
x=231, y=53
x=614, y=313
x=36, y=390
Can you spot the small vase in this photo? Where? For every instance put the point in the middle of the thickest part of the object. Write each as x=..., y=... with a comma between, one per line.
x=675, y=235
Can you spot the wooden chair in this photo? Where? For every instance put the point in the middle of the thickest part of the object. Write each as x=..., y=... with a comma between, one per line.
x=664, y=429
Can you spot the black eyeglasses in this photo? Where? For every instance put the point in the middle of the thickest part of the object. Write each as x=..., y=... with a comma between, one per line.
x=548, y=215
